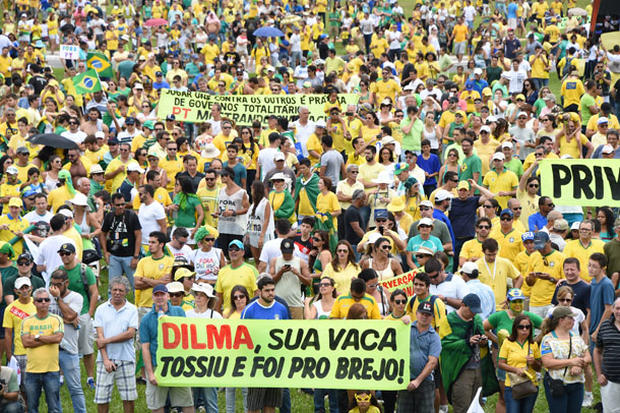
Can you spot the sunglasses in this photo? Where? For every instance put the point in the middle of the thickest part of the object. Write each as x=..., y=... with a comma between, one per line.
x=317, y=239
x=517, y=208
x=64, y=254
x=484, y=227
x=488, y=206
x=419, y=256
x=43, y=300
x=506, y=219
x=381, y=220
x=325, y=284
x=234, y=249
x=424, y=226
x=176, y=294
x=424, y=208
x=524, y=326
x=533, y=185
x=345, y=251
x=23, y=263
x=400, y=301
x=386, y=247
x=209, y=239
x=565, y=300
x=238, y=297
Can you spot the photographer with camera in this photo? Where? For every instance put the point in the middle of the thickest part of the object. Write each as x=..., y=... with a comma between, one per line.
x=120, y=238
x=9, y=391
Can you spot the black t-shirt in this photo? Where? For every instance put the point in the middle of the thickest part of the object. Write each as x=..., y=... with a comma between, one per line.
x=194, y=179
x=581, y=297
x=121, y=239
x=38, y=82
x=352, y=214
x=463, y=216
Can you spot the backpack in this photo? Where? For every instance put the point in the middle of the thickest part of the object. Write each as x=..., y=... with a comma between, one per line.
x=83, y=268
x=567, y=67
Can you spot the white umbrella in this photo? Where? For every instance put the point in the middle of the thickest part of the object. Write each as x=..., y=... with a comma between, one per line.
x=577, y=11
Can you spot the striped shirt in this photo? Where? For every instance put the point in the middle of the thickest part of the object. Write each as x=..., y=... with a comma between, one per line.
x=608, y=340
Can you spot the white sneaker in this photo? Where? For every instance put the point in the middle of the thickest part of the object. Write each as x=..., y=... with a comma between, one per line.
x=201, y=409
x=443, y=409
x=587, y=399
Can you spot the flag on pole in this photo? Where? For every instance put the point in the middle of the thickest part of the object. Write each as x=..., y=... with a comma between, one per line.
x=99, y=62
x=87, y=82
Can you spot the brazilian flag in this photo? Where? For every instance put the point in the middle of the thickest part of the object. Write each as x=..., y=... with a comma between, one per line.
x=87, y=82
x=99, y=62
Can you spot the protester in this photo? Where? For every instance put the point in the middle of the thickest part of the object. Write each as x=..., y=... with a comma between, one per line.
x=606, y=358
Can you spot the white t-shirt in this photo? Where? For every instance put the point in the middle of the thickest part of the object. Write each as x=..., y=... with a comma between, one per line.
x=207, y=264
x=185, y=251
x=265, y=160
x=33, y=217
x=578, y=319
x=48, y=255
x=455, y=288
x=207, y=314
x=271, y=249
x=77, y=137
x=148, y=216
x=302, y=134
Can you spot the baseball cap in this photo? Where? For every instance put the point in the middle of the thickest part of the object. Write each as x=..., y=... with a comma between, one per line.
x=507, y=145
x=425, y=308
x=22, y=149
x=561, y=312
x=575, y=226
x=469, y=267
x=498, y=156
x=182, y=273
x=425, y=250
x=515, y=294
x=425, y=221
x=79, y=199
x=381, y=214
x=25, y=256
x=15, y=202
x=473, y=302
x=426, y=203
x=236, y=243
x=160, y=288
x=159, y=74
x=603, y=119
x=204, y=288
x=477, y=71
x=442, y=195
x=12, y=170
x=540, y=239
x=175, y=287
x=485, y=128
x=560, y=224
x=138, y=86
x=130, y=120
x=287, y=246
x=462, y=185
x=21, y=281
x=400, y=167
x=607, y=149
x=279, y=156
x=66, y=247
x=527, y=236
x=508, y=212
x=96, y=169
x=171, y=117
x=113, y=141
x=66, y=212
x=134, y=167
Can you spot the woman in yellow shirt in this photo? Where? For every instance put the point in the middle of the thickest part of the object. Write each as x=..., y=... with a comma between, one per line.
x=343, y=267
x=520, y=357
x=327, y=202
x=570, y=141
x=249, y=153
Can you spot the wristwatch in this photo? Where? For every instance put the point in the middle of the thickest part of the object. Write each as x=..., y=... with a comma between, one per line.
x=136, y=256
x=37, y=337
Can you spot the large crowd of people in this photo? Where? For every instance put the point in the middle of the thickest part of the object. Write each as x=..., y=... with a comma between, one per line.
x=121, y=216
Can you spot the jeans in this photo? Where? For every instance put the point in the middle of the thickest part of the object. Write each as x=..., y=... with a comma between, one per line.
x=295, y=59
x=286, y=401
x=230, y=398
x=120, y=265
x=570, y=402
x=11, y=407
x=207, y=397
x=524, y=405
x=50, y=382
x=319, y=400
x=70, y=366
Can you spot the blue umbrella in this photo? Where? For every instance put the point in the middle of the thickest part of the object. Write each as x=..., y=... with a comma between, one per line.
x=268, y=31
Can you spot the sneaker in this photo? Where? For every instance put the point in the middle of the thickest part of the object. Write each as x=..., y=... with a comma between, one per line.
x=62, y=379
x=91, y=382
x=587, y=399
x=201, y=409
x=443, y=409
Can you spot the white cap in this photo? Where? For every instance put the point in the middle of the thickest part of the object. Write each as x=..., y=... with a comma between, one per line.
x=66, y=213
x=205, y=288
x=79, y=199
x=575, y=225
x=477, y=71
x=320, y=124
x=469, y=267
x=96, y=169
x=602, y=119
x=426, y=203
x=425, y=221
x=278, y=176
x=138, y=86
x=175, y=287
x=134, y=167
x=607, y=149
x=386, y=101
x=279, y=156
x=425, y=250
x=499, y=156
x=383, y=178
x=21, y=281
x=507, y=145
x=485, y=128
x=387, y=140
x=442, y=195
x=409, y=87
x=12, y=170
x=99, y=135
x=522, y=114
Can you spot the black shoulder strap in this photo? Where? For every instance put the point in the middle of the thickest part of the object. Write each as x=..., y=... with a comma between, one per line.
x=83, y=268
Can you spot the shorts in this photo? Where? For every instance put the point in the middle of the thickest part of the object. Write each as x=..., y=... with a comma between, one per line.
x=179, y=396
x=22, y=360
x=460, y=48
x=512, y=23
x=125, y=378
x=86, y=336
x=262, y=397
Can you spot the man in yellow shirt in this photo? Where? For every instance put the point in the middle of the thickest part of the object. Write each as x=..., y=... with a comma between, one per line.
x=583, y=247
x=172, y=164
x=12, y=225
x=370, y=170
x=357, y=295
x=459, y=36
x=499, y=180
x=472, y=250
x=116, y=173
x=508, y=238
x=238, y=272
x=572, y=91
x=543, y=273
x=495, y=271
x=152, y=270
x=386, y=87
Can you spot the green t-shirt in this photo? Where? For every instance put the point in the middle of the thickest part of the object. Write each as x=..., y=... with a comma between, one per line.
x=502, y=321
x=469, y=166
x=587, y=100
x=412, y=141
x=6, y=273
x=76, y=284
x=515, y=166
x=8, y=284
x=186, y=215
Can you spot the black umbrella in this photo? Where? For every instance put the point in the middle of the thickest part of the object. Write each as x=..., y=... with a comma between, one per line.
x=54, y=140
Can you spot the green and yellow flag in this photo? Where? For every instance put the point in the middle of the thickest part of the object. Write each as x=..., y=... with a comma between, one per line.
x=87, y=82
x=99, y=62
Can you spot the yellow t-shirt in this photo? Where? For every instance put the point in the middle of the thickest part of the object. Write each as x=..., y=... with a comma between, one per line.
x=542, y=291
x=154, y=269
x=577, y=250
x=439, y=309
x=328, y=203
x=460, y=33
x=510, y=244
x=516, y=355
x=495, y=275
x=370, y=172
x=172, y=168
x=472, y=250
x=228, y=277
x=42, y=359
x=345, y=301
x=504, y=181
x=14, y=314
x=572, y=90
x=343, y=277
x=15, y=225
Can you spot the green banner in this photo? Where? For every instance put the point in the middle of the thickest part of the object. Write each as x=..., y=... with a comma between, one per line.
x=582, y=182
x=244, y=109
x=332, y=354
